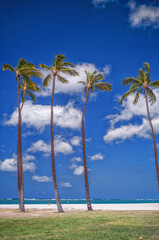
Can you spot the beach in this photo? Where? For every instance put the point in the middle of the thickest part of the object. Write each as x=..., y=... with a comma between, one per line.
x=83, y=207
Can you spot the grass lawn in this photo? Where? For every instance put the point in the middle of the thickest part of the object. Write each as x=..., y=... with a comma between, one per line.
x=95, y=225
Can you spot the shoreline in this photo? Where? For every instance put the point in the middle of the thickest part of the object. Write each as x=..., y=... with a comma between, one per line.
x=83, y=207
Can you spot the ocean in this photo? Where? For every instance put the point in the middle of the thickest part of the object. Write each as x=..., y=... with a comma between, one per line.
x=78, y=201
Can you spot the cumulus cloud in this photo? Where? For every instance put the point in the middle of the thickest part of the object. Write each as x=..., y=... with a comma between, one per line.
x=38, y=116
x=61, y=146
x=65, y=184
x=76, y=159
x=75, y=141
x=102, y=3
x=127, y=113
x=97, y=156
x=79, y=170
x=72, y=87
x=10, y=164
x=143, y=15
x=41, y=178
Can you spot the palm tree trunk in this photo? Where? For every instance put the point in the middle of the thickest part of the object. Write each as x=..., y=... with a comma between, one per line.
x=19, y=158
x=59, y=207
x=89, y=207
x=153, y=136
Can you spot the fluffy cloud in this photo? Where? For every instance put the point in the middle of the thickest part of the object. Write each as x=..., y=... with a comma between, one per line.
x=102, y=3
x=38, y=116
x=76, y=159
x=75, y=141
x=97, y=156
x=42, y=178
x=79, y=170
x=61, y=146
x=10, y=164
x=72, y=87
x=65, y=184
x=127, y=112
x=143, y=15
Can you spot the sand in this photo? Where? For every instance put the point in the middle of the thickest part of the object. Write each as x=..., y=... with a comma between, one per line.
x=83, y=207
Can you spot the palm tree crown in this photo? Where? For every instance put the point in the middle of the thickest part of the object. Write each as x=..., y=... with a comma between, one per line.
x=94, y=81
x=139, y=84
x=59, y=66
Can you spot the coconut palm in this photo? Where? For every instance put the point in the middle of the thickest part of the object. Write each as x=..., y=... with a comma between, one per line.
x=24, y=72
x=54, y=72
x=93, y=82
x=143, y=84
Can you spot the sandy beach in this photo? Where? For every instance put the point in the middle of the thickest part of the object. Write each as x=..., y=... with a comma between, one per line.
x=83, y=207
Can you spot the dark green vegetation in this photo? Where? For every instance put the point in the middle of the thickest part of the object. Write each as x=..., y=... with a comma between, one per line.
x=83, y=225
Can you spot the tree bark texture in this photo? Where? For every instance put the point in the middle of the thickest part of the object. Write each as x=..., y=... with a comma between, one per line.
x=59, y=206
x=19, y=158
x=153, y=136
x=89, y=207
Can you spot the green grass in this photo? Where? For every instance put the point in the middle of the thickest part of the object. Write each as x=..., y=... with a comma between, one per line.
x=83, y=225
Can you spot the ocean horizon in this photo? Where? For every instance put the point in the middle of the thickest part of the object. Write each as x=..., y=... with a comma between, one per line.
x=77, y=201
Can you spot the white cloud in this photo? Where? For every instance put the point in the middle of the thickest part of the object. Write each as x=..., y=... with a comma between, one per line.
x=76, y=159
x=143, y=15
x=75, y=141
x=38, y=116
x=73, y=87
x=61, y=146
x=97, y=156
x=127, y=112
x=79, y=170
x=10, y=164
x=102, y=3
x=42, y=178
x=65, y=184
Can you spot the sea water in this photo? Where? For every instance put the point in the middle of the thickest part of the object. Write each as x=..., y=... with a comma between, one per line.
x=78, y=201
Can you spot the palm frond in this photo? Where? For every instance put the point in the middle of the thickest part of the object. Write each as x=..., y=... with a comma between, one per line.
x=154, y=84
x=58, y=59
x=67, y=64
x=105, y=86
x=92, y=88
x=31, y=95
x=129, y=80
x=8, y=67
x=137, y=96
x=36, y=74
x=21, y=63
x=98, y=77
x=69, y=71
x=127, y=94
x=151, y=96
x=46, y=80
x=44, y=66
x=62, y=79
x=84, y=83
x=146, y=66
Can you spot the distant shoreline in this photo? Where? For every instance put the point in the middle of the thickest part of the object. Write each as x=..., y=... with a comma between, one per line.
x=83, y=207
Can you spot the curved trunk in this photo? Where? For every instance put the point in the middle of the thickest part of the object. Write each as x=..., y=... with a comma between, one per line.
x=153, y=136
x=19, y=158
x=52, y=152
x=84, y=158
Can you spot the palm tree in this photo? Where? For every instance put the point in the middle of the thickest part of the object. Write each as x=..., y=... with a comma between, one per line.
x=59, y=66
x=24, y=71
x=143, y=84
x=93, y=82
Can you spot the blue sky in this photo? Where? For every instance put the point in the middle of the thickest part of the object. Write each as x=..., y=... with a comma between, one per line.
x=112, y=37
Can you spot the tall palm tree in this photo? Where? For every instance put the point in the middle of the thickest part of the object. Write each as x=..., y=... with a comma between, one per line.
x=24, y=71
x=58, y=67
x=93, y=82
x=143, y=84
